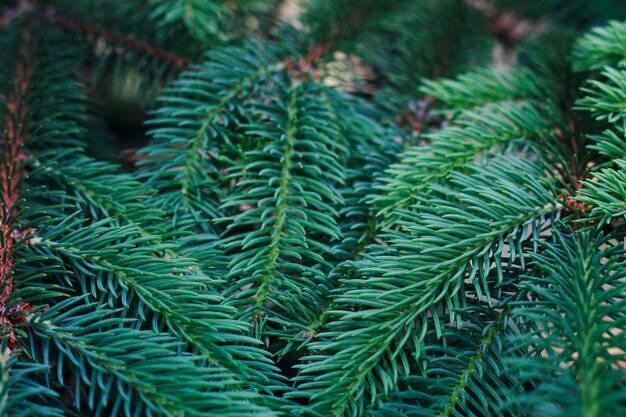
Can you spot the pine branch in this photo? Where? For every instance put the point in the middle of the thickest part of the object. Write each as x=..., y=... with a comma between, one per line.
x=574, y=313
x=371, y=153
x=604, y=197
x=441, y=250
x=21, y=393
x=484, y=86
x=201, y=112
x=294, y=176
x=466, y=375
x=605, y=99
x=158, y=285
x=492, y=129
x=600, y=47
x=138, y=364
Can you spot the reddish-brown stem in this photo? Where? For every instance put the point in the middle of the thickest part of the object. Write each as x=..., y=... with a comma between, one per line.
x=306, y=65
x=505, y=25
x=12, y=142
x=128, y=42
x=314, y=55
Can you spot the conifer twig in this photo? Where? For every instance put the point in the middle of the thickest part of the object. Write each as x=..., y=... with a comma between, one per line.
x=505, y=25
x=11, y=175
x=126, y=41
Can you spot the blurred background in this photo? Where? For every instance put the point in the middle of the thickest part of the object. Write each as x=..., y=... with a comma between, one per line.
x=378, y=49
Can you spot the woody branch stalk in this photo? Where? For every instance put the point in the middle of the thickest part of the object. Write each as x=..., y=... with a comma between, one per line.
x=128, y=42
x=12, y=140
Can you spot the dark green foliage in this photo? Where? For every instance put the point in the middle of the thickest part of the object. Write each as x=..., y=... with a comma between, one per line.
x=580, y=12
x=23, y=394
x=386, y=209
x=573, y=316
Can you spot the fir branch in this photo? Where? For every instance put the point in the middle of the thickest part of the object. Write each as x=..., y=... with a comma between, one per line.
x=278, y=232
x=137, y=365
x=22, y=394
x=574, y=314
x=162, y=286
x=491, y=129
x=294, y=176
x=603, y=46
x=484, y=86
x=466, y=375
x=369, y=156
x=195, y=149
x=194, y=128
x=610, y=143
x=604, y=197
x=424, y=272
x=119, y=268
x=605, y=99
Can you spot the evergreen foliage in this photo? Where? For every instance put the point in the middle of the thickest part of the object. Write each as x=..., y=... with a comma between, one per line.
x=364, y=208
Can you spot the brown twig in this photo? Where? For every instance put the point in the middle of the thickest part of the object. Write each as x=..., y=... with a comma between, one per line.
x=11, y=174
x=93, y=32
x=125, y=41
x=305, y=67
x=416, y=116
x=505, y=25
x=508, y=28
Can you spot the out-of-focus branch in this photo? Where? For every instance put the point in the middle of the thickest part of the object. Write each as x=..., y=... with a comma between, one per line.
x=505, y=25
x=125, y=41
